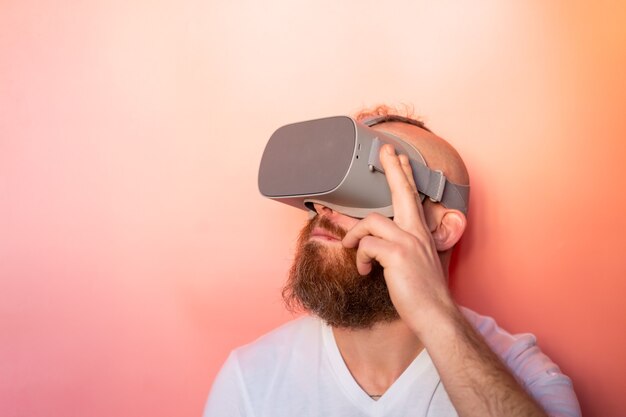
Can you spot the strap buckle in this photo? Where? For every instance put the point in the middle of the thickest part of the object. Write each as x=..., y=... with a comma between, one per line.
x=437, y=180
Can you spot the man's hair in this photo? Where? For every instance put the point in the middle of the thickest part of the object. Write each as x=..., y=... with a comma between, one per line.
x=390, y=114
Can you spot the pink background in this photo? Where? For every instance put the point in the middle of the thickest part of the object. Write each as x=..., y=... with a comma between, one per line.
x=135, y=250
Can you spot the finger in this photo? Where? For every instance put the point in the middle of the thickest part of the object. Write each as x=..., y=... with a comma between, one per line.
x=403, y=195
x=371, y=248
x=374, y=224
x=408, y=171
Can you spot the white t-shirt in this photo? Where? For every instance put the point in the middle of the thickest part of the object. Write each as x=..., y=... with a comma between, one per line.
x=297, y=370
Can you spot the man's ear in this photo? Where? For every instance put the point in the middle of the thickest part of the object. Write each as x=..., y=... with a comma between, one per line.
x=449, y=230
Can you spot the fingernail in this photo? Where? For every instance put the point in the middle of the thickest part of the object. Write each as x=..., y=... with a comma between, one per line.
x=389, y=149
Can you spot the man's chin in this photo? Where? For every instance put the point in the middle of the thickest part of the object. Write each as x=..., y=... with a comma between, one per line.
x=327, y=251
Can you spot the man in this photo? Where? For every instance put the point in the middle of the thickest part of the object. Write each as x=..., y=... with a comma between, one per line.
x=385, y=337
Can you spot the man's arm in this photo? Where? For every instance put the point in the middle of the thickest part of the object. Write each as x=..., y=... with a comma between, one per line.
x=477, y=383
x=539, y=376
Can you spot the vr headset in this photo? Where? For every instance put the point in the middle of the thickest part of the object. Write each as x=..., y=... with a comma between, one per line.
x=335, y=162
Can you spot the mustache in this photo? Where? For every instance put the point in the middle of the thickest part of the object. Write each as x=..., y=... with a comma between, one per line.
x=325, y=223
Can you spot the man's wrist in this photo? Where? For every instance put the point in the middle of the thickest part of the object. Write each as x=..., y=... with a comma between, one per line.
x=439, y=319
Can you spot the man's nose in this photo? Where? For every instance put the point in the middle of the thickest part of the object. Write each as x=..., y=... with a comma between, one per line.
x=338, y=219
x=321, y=209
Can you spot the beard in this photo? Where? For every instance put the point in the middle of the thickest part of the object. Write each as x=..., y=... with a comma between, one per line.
x=324, y=281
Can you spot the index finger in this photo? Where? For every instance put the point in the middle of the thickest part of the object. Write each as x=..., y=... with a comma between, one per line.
x=403, y=194
x=408, y=171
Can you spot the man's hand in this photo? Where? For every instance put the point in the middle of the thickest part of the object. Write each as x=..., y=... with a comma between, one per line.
x=404, y=247
x=476, y=381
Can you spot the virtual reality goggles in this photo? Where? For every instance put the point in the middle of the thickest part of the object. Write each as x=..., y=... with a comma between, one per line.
x=335, y=162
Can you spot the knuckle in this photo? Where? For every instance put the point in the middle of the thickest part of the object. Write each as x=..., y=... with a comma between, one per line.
x=365, y=240
x=410, y=241
x=374, y=218
x=399, y=253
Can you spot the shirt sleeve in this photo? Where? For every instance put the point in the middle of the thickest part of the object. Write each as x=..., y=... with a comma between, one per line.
x=541, y=377
x=228, y=397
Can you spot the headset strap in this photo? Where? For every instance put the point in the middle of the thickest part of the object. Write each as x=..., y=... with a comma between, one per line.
x=431, y=183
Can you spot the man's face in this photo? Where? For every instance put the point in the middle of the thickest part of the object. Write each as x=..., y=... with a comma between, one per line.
x=324, y=280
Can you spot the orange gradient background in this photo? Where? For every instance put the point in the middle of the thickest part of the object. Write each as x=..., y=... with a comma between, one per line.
x=136, y=251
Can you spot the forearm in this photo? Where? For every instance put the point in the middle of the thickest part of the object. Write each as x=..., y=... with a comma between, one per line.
x=476, y=381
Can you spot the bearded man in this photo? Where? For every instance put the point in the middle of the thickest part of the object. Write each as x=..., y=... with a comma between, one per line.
x=384, y=336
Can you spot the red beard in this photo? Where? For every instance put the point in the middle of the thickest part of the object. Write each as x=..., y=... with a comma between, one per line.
x=324, y=280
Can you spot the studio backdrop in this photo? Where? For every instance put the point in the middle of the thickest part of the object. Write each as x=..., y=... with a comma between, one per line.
x=136, y=250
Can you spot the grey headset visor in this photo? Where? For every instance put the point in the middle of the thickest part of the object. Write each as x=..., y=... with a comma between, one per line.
x=335, y=162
